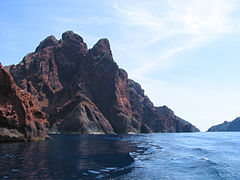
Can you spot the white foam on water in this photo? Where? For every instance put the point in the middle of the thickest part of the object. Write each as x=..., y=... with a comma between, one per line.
x=105, y=170
x=111, y=168
x=93, y=172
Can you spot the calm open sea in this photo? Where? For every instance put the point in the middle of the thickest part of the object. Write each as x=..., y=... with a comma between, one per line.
x=144, y=156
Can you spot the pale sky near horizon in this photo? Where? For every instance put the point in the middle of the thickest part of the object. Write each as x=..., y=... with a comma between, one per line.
x=184, y=53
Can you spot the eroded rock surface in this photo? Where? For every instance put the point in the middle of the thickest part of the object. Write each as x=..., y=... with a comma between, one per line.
x=20, y=119
x=83, y=90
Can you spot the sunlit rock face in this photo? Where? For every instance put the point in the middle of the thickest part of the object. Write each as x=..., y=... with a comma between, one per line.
x=83, y=90
x=20, y=119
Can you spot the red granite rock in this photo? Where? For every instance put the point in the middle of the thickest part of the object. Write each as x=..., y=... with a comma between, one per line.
x=20, y=119
x=85, y=91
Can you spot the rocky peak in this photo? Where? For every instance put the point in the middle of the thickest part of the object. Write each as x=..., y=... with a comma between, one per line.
x=102, y=47
x=164, y=108
x=73, y=43
x=49, y=41
x=71, y=36
x=116, y=104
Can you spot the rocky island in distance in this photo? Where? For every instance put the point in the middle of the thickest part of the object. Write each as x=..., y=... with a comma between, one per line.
x=226, y=126
x=75, y=89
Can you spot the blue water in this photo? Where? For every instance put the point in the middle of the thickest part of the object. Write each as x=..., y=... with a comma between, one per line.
x=144, y=156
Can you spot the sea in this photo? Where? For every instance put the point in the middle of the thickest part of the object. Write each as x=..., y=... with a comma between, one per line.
x=204, y=155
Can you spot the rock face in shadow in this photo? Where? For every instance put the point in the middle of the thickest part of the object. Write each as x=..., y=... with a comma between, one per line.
x=83, y=90
x=20, y=120
x=227, y=126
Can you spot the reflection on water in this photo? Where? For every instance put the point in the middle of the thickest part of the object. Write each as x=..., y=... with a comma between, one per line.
x=122, y=157
x=67, y=157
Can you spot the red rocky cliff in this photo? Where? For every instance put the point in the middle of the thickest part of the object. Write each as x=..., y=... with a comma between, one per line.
x=20, y=120
x=85, y=91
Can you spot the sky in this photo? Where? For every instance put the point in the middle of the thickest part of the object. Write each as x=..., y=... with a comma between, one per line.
x=184, y=53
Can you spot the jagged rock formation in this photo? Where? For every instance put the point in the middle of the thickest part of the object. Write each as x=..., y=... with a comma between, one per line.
x=85, y=91
x=185, y=126
x=20, y=120
x=227, y=126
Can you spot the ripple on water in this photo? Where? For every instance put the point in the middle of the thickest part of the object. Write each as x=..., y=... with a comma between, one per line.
x=107, y=172
x=111, y=168
x=93, y=172
x=201, y=150
x=14, y=170
x=153, y=156
x=208, y=163
x=99, y=176
x=9, y=156
x=211, y=167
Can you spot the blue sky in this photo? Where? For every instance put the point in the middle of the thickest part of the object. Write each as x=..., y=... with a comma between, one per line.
x=184, y=53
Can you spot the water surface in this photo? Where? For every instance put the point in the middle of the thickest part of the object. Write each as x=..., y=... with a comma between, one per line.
x=144, y=156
